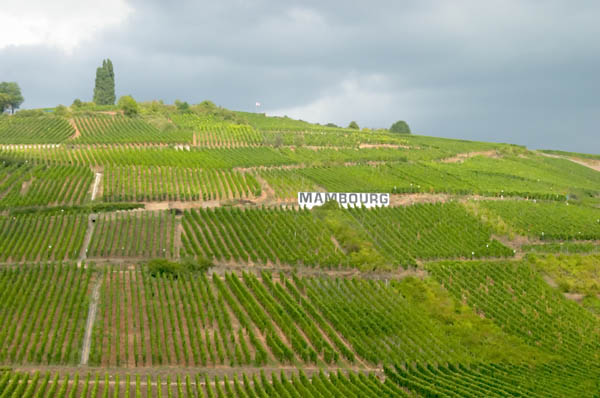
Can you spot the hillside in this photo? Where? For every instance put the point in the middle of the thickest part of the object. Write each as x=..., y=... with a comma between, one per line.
x=166, y=255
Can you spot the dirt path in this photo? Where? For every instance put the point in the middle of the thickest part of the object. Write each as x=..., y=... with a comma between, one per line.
x=177, y=238
x=87, y=238
x=97, y=180
x=266, y=192
x=461, y=157
x=590, y=163
x=221, y=268
x=268, y=198
x=89, y=324
x=514, y=244
x=77, y=132
x=211, y=372
x=417, y=198
x=376, y=146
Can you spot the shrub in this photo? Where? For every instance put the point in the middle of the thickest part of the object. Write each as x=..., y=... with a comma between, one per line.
x=162, y=267
x=128, y=105
x=182, y=107
x=61, y=110
x=191, y=264
x=353, y=125
x=400, y=127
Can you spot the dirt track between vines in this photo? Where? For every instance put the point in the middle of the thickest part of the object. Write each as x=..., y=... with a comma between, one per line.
x=77, y=132
x=87, y=239
x=97, y=179
x=221, y=268
x=461, y=157
x=89, y=324
x=211, y=372
x=268, y=199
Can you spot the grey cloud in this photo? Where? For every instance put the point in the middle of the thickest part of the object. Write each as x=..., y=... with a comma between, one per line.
x=511, y=71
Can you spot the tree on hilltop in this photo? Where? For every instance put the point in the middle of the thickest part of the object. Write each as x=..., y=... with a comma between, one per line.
x=353, y=125
x=400, y=127
x=128, y=105
x=4, y=100
x=104, y=90
x=182, y=107
x=10, y=96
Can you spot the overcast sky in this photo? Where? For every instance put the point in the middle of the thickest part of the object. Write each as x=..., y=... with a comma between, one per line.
x=519, y=71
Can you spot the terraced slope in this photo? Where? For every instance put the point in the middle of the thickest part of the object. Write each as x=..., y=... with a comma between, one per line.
x=123, y=130
x=105, y=242
x=43, y=314
x=34, y=130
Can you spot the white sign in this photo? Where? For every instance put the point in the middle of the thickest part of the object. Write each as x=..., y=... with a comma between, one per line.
x=345, y=199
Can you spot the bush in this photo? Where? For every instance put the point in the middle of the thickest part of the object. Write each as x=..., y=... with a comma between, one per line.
x=400, y=127
x=191, y=264
x=208, y=108
x=182, y=107
x=162, y=267
x=154, y=107
x=128, y=105
x=77, y=103
x=353, y=125
x=61, y=111
x=356, y=244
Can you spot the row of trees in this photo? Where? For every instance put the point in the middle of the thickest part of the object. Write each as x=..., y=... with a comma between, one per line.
x=10, y=96
x=400, y=127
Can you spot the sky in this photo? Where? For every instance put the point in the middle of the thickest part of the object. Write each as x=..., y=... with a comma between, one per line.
x=518, y=71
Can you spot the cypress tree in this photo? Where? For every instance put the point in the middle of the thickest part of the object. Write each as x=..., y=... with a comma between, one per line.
x=110, y=94
x=104, y=90
x=99, y=88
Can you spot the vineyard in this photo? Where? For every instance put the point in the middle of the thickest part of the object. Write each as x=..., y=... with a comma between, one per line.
x=124, y=130
x=134, y=234
x=573, y=274
x=518, y=300
x=280, y=385
x=226, y=136
x=401, y=235
x=30, y=130
x=231, y=322
x=22, y=184
x=166, y=255
x=428, y=231
x=245, y=320
x=34, y=237
x=209, y=133
x=490, y=380
x=481, y=176
x=562, y=247
x=259, y=236
x=145, y=184
x=550, y=220
x=43, y=313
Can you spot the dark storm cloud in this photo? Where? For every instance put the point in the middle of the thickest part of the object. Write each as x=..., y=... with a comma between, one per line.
x=511, y=71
